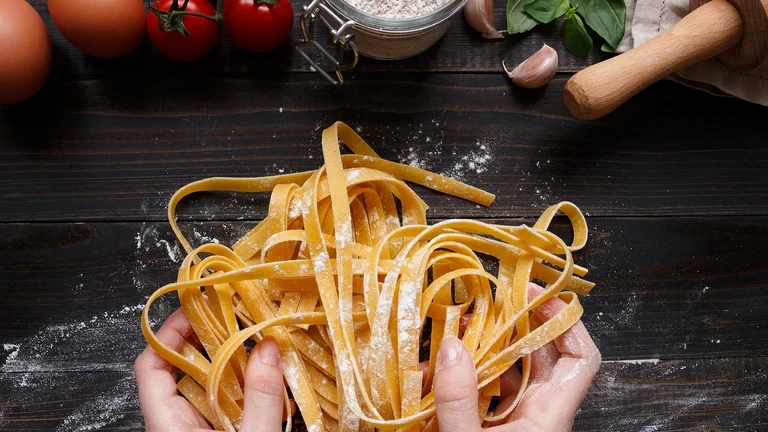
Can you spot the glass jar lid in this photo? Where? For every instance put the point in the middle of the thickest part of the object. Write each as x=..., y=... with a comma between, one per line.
x=394, y=26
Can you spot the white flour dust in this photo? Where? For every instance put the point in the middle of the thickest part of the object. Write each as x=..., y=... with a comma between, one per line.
x=475, y=161
x=425, y=153
x=687, y=394
x=107, y=408
x=106, y=343
x=635, y=362
x=148, y=238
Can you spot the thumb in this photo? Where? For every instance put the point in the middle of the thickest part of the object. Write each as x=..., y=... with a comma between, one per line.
x=456, y=388
x=264, y=389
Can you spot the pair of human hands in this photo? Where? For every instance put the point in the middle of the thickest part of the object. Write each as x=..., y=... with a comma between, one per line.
x=561, y=373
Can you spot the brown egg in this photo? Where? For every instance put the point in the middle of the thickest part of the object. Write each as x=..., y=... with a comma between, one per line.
x=25, y=51
x=101, y=28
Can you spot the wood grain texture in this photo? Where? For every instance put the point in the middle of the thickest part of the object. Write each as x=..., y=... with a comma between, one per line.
x=462, y=49
x=670, y=288
x=676, y=395
x=674, y=183
x=117, y=148
x=681, y=297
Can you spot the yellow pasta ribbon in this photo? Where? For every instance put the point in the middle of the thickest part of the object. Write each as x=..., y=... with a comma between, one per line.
x=346, y=274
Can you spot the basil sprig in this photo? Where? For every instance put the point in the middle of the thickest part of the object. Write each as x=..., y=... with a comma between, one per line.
x=517, y=20
x=575, y=36
x=605, y=17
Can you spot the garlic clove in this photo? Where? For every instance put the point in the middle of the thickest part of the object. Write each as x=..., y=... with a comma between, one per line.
x=537, y=70
x=479, y=15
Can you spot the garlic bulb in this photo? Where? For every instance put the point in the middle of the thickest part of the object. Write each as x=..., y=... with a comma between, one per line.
x=537, y=70
x=479, y=15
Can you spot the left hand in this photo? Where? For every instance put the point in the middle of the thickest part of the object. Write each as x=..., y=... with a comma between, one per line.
x=165, y=410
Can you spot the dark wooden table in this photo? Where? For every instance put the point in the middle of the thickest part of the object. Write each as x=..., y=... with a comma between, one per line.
x=674, y=184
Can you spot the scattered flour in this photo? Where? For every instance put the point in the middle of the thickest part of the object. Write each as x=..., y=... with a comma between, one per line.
x=203, y=238
x=420, y=156
x=637, y=362
x=425, y=154
x=107, y=408
x=149, y=237
x=106, y=342
x=476, y=161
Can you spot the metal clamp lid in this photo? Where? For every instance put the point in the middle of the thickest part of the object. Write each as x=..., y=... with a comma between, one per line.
x=341, y=31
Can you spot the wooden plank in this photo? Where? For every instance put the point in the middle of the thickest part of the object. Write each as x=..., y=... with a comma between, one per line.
x=679, y=395
x=69, y=401
x=713, y=394
x=116, y=148
x=670, y=288
x=462, y=49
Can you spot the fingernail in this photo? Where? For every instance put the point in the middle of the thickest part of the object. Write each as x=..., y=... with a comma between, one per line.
x=450, y=353
x=269, y=353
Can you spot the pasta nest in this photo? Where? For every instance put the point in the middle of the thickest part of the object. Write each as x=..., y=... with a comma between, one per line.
x=348, y=277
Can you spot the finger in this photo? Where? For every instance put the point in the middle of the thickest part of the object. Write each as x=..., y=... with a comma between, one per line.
x=543, y=360
x=456, y=388
x=426, y=385
x=561, y=393
x=293, y=410
x=195, y=341
x=424, y=368
x=156, y=382
x=464, y=322
x=510, y=385
x=575, y=342
x=264, y=389
x=172, y=334
x=510, y=382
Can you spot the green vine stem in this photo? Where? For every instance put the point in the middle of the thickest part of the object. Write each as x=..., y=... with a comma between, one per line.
x=173, y=19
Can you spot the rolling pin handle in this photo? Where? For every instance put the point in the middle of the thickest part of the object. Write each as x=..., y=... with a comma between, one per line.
x=601, y=88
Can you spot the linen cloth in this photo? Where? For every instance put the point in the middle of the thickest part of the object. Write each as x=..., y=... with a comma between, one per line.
x=648, y=18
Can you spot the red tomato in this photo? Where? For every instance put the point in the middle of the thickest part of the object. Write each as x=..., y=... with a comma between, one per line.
x=258, y=27
x=202, y=36
x=104, y=28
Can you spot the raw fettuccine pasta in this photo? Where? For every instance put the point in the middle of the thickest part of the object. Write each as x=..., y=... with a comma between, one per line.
x=347, y=276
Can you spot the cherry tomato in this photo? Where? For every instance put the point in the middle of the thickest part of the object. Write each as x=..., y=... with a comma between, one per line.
x=105, y=28
x=202, y=36
x=258, y=27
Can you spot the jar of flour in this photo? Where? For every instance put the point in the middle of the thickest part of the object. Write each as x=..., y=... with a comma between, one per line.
x=380, y=29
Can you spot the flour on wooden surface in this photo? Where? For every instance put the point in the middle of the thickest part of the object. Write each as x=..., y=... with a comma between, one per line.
x=107, y=408
x=636, y=362
x=105, y=342
x=421, y=156
x=476, y=161
x=425, y=154
x=149, y=237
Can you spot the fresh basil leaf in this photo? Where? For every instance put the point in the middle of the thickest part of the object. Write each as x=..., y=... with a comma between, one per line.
x=517, y=20
x=544, y=11
x=606, y=17
x=575, y=36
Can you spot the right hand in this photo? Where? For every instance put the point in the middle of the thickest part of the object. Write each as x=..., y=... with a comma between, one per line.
x=561, y=373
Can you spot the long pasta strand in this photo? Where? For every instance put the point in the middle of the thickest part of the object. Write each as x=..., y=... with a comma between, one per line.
x=346, y=279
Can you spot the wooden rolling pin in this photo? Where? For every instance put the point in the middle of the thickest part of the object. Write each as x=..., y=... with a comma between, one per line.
x=736, y=30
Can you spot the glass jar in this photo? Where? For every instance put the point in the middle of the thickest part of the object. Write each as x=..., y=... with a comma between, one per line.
x=358, y=33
